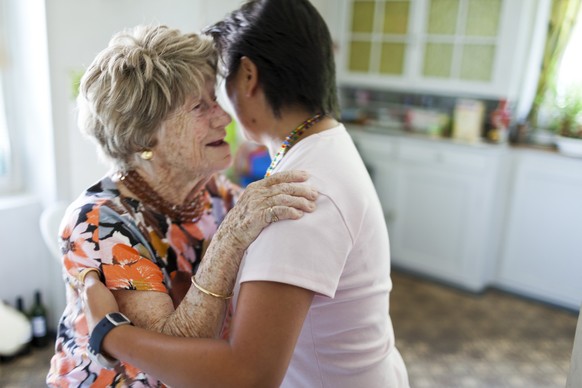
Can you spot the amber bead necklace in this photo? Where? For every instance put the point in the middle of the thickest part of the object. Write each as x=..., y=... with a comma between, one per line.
x=187, y=212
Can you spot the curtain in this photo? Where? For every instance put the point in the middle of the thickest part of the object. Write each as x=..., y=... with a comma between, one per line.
x=562, y=20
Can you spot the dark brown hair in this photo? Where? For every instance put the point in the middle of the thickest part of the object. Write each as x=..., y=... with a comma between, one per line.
x=291, y=46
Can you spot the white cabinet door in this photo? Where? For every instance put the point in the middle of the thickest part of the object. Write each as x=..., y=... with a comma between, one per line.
x=384, y=177
x=543, y=251
x=379, y=153
x=444, y=201
x=430, y=231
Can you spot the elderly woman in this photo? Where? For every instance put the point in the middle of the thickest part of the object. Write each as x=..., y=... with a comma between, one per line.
x=149, y=102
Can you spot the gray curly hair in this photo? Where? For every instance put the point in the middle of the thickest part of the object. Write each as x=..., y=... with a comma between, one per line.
x=132, y=86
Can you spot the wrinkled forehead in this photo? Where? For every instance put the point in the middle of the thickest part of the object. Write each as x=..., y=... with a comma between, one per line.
x=206, y=91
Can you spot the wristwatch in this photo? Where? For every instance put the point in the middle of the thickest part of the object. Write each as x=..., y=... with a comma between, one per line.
x=111, y=321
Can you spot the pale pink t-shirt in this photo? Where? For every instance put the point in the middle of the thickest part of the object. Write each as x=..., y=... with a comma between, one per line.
x=341, y=252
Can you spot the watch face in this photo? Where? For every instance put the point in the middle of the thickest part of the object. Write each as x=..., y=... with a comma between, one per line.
x=117, y=318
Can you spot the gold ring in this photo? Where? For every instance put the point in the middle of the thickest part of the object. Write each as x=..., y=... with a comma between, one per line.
x=274, y=217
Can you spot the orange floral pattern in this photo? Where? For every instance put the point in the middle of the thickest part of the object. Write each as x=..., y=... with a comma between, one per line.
x=135, y=249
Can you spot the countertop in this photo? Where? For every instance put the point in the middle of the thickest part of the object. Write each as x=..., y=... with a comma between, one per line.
x=401, y=132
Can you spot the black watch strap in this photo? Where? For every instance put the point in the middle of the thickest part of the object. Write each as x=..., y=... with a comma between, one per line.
x=111, y=321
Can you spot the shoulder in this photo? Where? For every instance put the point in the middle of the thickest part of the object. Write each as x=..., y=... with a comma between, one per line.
x=95, y=215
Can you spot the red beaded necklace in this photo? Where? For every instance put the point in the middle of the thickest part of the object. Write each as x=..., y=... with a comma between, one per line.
x=187, y=212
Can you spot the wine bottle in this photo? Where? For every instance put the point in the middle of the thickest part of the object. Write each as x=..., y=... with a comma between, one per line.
x=39, y=322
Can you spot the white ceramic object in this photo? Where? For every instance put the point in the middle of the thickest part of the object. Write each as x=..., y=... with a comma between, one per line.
x=543, y=137
x=569, y=146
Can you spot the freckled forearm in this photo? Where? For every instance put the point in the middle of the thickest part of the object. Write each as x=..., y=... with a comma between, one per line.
x=195, y=317
x=203, y=313
x=198, y=315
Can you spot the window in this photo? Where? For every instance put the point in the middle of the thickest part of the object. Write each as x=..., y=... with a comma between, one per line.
x=569, y=75
x=561, y=110
x=4, y=142
x=5, y=156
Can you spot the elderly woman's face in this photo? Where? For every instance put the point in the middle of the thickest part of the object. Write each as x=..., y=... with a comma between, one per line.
x=192, y=138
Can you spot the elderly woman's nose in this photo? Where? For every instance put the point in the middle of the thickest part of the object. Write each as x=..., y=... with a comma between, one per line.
x=220, y=117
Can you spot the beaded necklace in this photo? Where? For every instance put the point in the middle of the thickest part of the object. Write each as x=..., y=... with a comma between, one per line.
x=291, y=140
x=187, y=212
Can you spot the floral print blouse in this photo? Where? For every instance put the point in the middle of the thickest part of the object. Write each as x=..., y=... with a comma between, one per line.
x=135, y=249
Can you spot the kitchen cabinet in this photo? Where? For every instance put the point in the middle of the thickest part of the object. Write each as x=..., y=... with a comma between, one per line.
x=447, y=222
x=379, y=154
x=474, y=47
x=542, y=255
x=442, y=204
x=480, y=215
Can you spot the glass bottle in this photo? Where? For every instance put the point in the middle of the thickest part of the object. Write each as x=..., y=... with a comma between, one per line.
x=39, y=322
x=500, y=119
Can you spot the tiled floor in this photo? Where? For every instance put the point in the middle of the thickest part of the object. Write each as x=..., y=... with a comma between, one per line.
x=448, y=338
x=28, y=371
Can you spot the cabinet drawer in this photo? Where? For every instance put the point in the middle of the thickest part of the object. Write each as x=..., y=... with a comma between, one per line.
x=381, y=146
x=446, y=157
x=465, y=161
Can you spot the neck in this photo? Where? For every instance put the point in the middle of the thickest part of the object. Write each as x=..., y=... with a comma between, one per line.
x=175, y=188
x=186, y=211
x=282, y=126
x=304, y=129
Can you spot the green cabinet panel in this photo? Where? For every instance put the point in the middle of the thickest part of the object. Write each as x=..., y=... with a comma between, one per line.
x=461, y=39
x=363, y=16
x=396, y=17
x=442, y=17
x=483, y=18
x=360, y=56
x=377, y=36
x=477, y=62
x=438, y=60
x=392, y=58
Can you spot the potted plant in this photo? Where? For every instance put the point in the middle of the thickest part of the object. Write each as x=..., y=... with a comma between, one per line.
x=568, y=125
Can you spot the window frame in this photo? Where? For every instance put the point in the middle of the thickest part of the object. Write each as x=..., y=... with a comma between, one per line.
x=10, y=183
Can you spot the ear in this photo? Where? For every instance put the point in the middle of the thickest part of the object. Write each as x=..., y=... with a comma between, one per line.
x=250, y=76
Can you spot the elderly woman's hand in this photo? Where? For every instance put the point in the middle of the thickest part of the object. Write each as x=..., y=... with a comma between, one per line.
x=278, y=197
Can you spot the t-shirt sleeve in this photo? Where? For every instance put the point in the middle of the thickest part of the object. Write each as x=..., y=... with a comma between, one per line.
x=95, y=239
x=309, y=253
